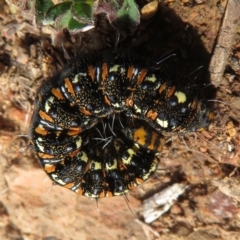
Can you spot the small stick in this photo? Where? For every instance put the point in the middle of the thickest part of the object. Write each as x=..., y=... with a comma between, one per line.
x=224, y=42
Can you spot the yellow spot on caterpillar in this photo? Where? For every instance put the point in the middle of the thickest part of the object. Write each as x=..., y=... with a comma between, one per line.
x=181, y=97
x=162, y=123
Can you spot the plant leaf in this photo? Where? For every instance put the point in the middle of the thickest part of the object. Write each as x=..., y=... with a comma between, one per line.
x=82, y=10
x=55, y=11
x=67, y=21
x=128, y=14
x=124, y=14
x=41, y=7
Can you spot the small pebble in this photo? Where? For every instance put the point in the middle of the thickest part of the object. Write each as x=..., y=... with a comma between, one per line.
x=23, y=58
x=149, y=10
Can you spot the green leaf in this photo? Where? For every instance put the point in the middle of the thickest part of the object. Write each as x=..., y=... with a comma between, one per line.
x=123, y=14
x=67, y=21
x=41, y=7
x=55, y=11
x=82, y=10
x=128, y=13
x=74, y=24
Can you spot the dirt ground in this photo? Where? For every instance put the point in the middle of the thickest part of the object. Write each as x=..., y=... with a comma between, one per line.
x=204, y=166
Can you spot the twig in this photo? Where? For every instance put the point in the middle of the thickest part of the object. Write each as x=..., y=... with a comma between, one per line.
x=224, y=41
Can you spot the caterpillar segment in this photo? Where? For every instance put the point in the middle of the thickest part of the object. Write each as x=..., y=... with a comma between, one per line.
x=97, y=125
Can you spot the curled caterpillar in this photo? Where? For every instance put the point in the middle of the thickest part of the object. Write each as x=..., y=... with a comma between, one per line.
x=96, y=126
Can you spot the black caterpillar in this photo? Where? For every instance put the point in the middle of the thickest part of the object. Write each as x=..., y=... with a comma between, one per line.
x=97, y=125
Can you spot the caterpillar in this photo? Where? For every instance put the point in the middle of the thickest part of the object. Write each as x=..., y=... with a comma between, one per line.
x=96, y=126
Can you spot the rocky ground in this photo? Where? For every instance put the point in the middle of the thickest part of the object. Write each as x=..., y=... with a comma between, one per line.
x=198, y=176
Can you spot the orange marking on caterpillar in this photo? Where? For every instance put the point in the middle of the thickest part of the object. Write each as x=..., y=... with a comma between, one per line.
x=102, y=194
x=141, y=76
x=45, y=116
x=121, y=165
x=104, y=71
x=154, y=137
x=106, y=100
x=49, y=168
x=130, y=72
x=171, y=91
x=91, y=72
x=129, y=102
x=109, y=194
x=74, y=153
x=139, y=181
x=79, y=191
x=193, y=104
x=85, y=111
x=74, y=131
x=151, y=114
x=131, y=185
x=69, y=185
x=140, y=136
x=162, y=88
x=57, y=93
x=41, y=131
x=45, y=155
x=69, y=86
